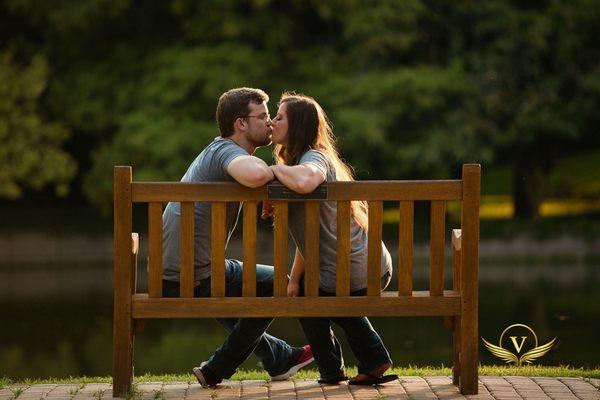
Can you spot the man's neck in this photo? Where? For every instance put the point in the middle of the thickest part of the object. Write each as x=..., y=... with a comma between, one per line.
x=243, y=143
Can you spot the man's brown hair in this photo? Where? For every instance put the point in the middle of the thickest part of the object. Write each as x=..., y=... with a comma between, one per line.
x=233, y=104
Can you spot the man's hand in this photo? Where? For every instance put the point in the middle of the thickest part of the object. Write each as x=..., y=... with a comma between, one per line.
x=293, y=289
x=267, y=210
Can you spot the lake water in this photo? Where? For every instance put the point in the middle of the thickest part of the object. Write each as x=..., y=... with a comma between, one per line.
x=56, y=318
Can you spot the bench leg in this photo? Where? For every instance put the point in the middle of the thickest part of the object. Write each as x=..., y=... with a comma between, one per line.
x=456, y=351
x=122, y=359
x=469, y=278
x=469, y=375
x=125, y=262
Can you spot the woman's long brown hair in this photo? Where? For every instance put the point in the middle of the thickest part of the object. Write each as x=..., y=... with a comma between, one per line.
x=309, y=128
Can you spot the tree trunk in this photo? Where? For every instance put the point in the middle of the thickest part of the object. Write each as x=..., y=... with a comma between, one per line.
x=528, y=183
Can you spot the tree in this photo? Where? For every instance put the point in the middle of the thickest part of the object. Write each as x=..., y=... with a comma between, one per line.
x=537, y=67
x=31, y=154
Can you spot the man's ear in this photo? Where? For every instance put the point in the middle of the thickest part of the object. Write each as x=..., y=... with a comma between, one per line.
x=239, y=125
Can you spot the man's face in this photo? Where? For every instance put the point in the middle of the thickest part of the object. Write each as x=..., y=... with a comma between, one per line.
x=258, y=125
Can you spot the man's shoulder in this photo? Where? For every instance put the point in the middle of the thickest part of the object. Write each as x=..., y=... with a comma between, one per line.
x=210, y=163
x=217, y=146
x=220, y=142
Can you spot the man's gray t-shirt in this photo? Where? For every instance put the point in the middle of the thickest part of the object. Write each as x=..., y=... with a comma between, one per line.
x=328, y=235
x=210, y=166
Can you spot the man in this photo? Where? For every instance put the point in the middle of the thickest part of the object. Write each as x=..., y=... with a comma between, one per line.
x=244, y=123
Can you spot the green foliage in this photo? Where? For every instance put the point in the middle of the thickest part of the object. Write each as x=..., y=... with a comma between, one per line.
x=414, y=88
x=31, y=154
x=408, y=122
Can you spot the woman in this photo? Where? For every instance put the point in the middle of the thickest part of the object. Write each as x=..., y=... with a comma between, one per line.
x=306, y=157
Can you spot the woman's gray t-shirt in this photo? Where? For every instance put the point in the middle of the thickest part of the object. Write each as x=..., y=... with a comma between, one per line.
x=328, y=235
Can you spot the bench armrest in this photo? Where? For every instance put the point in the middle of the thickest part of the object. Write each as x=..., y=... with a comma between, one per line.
x=456, y=239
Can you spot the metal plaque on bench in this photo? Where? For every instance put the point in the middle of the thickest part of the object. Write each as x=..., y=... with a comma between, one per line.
x=277, y=191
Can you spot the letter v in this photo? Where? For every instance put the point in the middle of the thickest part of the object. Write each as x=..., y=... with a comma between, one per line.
x=514, y=340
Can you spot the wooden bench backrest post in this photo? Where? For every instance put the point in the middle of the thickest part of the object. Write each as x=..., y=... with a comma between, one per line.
x=186, y=250
x=249, y=252
x=280, y=251
x=405, y=267
x=155, y=251
x=343, y=249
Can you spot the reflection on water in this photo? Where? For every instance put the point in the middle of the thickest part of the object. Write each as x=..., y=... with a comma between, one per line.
x=56, y=320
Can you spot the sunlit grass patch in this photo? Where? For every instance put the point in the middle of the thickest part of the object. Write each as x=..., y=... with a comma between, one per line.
x=489, y=370
x=4, y=381
x=539, y=370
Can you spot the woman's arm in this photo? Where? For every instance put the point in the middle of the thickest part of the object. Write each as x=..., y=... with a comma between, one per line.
x=293, y=289
x=302, y=178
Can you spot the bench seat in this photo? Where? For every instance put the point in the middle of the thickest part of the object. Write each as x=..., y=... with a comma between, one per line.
x=389, y=304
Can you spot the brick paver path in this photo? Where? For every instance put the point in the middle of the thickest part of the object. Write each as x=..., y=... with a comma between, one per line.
x=430, y=387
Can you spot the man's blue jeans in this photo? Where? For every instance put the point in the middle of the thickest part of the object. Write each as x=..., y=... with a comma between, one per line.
x=367, y=346
x=246, y=335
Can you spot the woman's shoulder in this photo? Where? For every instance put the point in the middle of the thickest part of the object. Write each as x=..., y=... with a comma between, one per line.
x=320, y=159
x=314, y=155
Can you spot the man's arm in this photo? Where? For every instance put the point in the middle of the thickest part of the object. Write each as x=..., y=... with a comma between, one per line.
x=250, y=171
x=303, y=178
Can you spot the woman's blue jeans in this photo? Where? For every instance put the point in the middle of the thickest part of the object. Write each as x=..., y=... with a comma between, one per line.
x=367, y=346
x=246, y=335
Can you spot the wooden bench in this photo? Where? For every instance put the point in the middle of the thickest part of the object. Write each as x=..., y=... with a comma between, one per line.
x=457, y=305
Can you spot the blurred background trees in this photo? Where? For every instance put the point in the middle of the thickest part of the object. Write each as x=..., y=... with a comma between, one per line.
x=414, y=88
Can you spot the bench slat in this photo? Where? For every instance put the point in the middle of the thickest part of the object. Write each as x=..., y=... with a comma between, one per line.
x=217, y=248
x=186, y=250
x=155, y=249
x=405, y=268
x=311, y=238
x=395, y=190
x=280, y=252
x=336, y=191
x=343, y=249
x=374, y=248
x=436, y=247
x=389, y=304
x=249, y=244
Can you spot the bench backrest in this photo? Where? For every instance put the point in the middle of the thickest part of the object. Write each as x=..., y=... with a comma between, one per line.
x=405, y=193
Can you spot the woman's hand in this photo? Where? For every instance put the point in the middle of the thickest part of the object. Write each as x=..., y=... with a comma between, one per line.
x=267, y=210
x=293, y=289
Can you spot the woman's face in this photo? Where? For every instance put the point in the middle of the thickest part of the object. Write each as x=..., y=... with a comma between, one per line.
x=280, y=126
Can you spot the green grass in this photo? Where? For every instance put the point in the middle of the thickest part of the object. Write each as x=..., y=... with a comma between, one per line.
x=486, y=370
